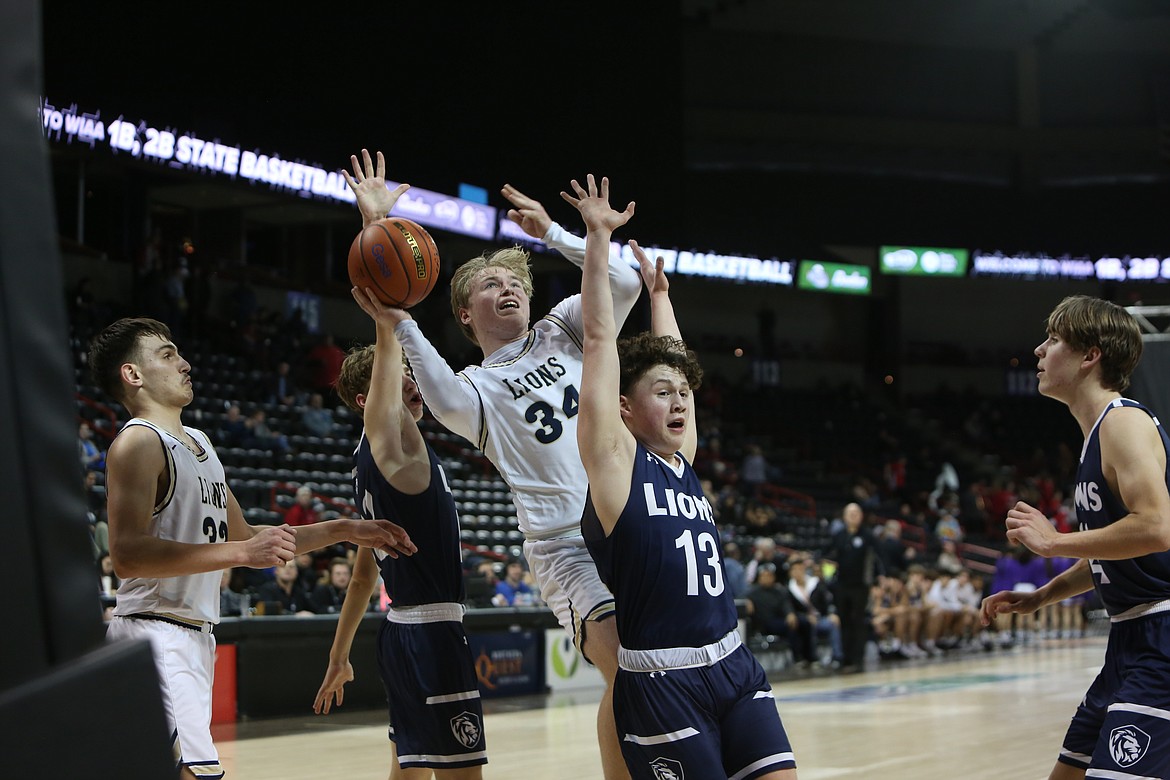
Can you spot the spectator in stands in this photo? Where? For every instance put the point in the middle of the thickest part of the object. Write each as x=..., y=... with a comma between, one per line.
x=895, y=554
x=317, y=419
x=753, y=472
x=282, y=388
x=948, y=529
x=973, y=507
x=283, y=596
x=328, y=597
x=817, y=615
x=865, y=493
x=513, y=591
x=760, y=518
x=92, y=457
x=916, y=590
x=735, y=570
x=887, y=607
x=948, y=560
x=233, y=429
x=324, y=364
x=764, y=551
x=480, y=584
x=108, y=579
x=229, y=600
x=95, y=515
x=261, y=436
x=946, y=484
x=858, y=565
x=302, y=512
x=770, y=609
x=308, y=576
x=894, y=473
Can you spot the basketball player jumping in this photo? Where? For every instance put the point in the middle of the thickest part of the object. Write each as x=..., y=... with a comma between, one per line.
x=435, y=711
x=520, y=407
x=1122, y=727
x=690, y=700
x=174, y=525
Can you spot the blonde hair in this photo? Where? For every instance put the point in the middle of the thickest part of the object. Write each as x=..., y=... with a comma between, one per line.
x=514, y=259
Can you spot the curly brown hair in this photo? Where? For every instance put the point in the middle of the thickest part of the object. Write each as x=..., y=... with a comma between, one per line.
x=638, y=354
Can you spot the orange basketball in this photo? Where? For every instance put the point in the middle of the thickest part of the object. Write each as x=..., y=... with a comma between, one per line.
x=395, y=258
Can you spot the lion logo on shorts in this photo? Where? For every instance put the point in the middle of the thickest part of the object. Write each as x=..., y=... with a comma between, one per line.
x=1128, y=744
x=667, y=769
x=465, y=727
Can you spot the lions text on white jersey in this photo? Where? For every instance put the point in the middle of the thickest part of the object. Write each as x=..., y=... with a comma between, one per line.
x=193, y=511
x=528, y=394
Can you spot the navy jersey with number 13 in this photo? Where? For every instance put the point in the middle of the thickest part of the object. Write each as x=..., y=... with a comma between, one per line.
x=1132, y=582
x=662, y=556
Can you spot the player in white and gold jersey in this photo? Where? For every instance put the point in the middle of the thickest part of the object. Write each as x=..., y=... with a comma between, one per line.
x=174, y=525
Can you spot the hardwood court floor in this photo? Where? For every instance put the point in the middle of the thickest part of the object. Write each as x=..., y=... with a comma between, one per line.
x=980, y=715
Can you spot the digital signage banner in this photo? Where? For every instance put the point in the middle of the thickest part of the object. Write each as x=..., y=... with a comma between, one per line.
x=922, y=261
x=188, y=151
x=833, y=277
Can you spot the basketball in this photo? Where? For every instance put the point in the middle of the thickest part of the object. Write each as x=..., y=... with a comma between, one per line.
x=395, y=258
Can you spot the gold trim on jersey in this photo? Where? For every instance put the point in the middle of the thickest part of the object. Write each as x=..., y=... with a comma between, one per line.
x=565, y=327
x=523, y=351
x=483, y=426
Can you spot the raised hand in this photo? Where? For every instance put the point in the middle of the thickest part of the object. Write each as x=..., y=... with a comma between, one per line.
x=271, y=546
x=529, y=214
x=593, y=203
x=378, y=311
x=333, y=687
x=653, y=275
x=374, y=201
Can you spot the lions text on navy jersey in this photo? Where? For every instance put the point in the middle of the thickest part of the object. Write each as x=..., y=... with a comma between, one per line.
x=662, y=561
x=1128, y=583
x=434, y=574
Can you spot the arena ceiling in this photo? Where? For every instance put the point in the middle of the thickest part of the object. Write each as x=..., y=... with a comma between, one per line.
x=1005, y=92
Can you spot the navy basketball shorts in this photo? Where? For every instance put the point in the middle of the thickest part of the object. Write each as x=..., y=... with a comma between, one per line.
x=436, y=716
x=703, y=722
x=1122, y=726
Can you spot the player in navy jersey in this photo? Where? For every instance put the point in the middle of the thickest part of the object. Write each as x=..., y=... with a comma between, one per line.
x=1122, y=727
x=689, y=699
x=175, y=524
x=436, y=719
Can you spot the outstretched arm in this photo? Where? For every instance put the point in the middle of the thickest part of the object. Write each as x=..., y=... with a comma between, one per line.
x=368, y=183
x=663, y=323
x=1073, y=581
x=357, y=599
x=531, y=216
x=395, y=440
x=134, y=464
x=454, y=402
x=607, y=447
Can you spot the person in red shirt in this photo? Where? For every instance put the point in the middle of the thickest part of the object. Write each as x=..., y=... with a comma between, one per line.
x=302, y=512
x=324, y=362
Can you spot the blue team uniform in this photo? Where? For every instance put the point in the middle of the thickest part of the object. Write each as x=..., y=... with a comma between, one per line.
x=1122, y=727
x=690, y=700
x=436, y=716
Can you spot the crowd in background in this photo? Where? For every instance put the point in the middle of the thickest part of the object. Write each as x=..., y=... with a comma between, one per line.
x=914, y=593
